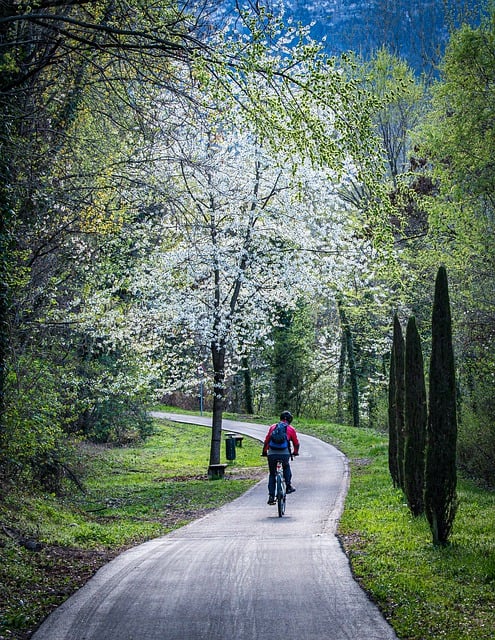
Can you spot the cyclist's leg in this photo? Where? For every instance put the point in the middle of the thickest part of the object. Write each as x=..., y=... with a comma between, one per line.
x=287, y=470
x=272, y=467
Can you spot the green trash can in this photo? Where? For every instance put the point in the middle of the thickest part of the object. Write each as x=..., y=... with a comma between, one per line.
x=230, y=448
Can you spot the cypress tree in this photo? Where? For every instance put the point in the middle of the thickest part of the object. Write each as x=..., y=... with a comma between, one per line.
x=415, y=420
x=399, y=355
x=441, y=477
x=392, y=422
x=396, y=406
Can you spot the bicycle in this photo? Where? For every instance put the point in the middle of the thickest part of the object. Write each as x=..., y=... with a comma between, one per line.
x=280, y=489
x=280, y=492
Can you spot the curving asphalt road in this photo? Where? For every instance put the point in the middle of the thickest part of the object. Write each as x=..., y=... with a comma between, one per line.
x=240, y=573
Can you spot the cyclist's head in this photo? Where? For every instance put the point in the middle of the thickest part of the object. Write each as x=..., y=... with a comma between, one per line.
x=286, y=416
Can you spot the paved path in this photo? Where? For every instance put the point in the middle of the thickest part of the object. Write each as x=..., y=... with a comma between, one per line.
x=240, y=573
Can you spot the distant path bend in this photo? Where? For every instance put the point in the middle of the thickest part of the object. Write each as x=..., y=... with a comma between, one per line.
x=239, y=573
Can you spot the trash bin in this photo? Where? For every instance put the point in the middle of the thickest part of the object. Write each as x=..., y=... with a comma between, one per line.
x=230, y=448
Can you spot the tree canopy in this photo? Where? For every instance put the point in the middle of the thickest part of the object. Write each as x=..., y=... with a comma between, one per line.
x=175, y=178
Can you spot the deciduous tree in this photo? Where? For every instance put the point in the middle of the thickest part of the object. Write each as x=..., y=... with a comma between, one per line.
x=456, y=143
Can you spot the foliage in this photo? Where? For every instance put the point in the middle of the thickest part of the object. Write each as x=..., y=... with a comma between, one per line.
x=62, y=145
x=36, y=414
x=233, y=250
x=113, y=140
x=121, y=114
x=371, y=292
x=476, y=439
x=441, y=474
x=349, y=355
x=415, y=413
x=293, y=351
x=402, y=96
x=466, y=97
x=296, y=97
x=455, y=142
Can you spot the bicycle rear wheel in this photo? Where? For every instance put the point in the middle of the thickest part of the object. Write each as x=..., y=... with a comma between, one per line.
x=280, y=497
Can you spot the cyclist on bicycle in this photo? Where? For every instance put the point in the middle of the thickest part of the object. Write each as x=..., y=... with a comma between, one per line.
x=280, y=451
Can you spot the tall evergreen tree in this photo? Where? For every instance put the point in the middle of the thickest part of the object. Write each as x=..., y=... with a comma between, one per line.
x=441, y=477
x=392, y=422
x=349, y=350
x=399, y=354
x=415, y=420
x=293, y=351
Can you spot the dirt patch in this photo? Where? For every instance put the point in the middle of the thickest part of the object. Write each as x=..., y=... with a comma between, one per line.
x=352, y=543
x=55, y=573
x=361, y=462
x=233, y=473
x=247, y=473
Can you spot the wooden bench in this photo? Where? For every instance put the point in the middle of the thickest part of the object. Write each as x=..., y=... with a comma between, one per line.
x=216, y=471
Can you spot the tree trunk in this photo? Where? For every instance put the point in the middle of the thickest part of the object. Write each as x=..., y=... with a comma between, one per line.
x=4, y=247
x=6, y=231
x=353, y=377
x=218, y=360
x=441, y=474
x=340, y=380
x=248, y=387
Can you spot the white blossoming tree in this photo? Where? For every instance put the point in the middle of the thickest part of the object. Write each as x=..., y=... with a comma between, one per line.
x=237, y=246
x=231, y=175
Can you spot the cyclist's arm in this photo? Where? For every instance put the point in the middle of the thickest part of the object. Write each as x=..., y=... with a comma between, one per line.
x=293, y=439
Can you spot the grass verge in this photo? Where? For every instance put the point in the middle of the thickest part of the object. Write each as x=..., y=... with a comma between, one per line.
x=426, y=592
